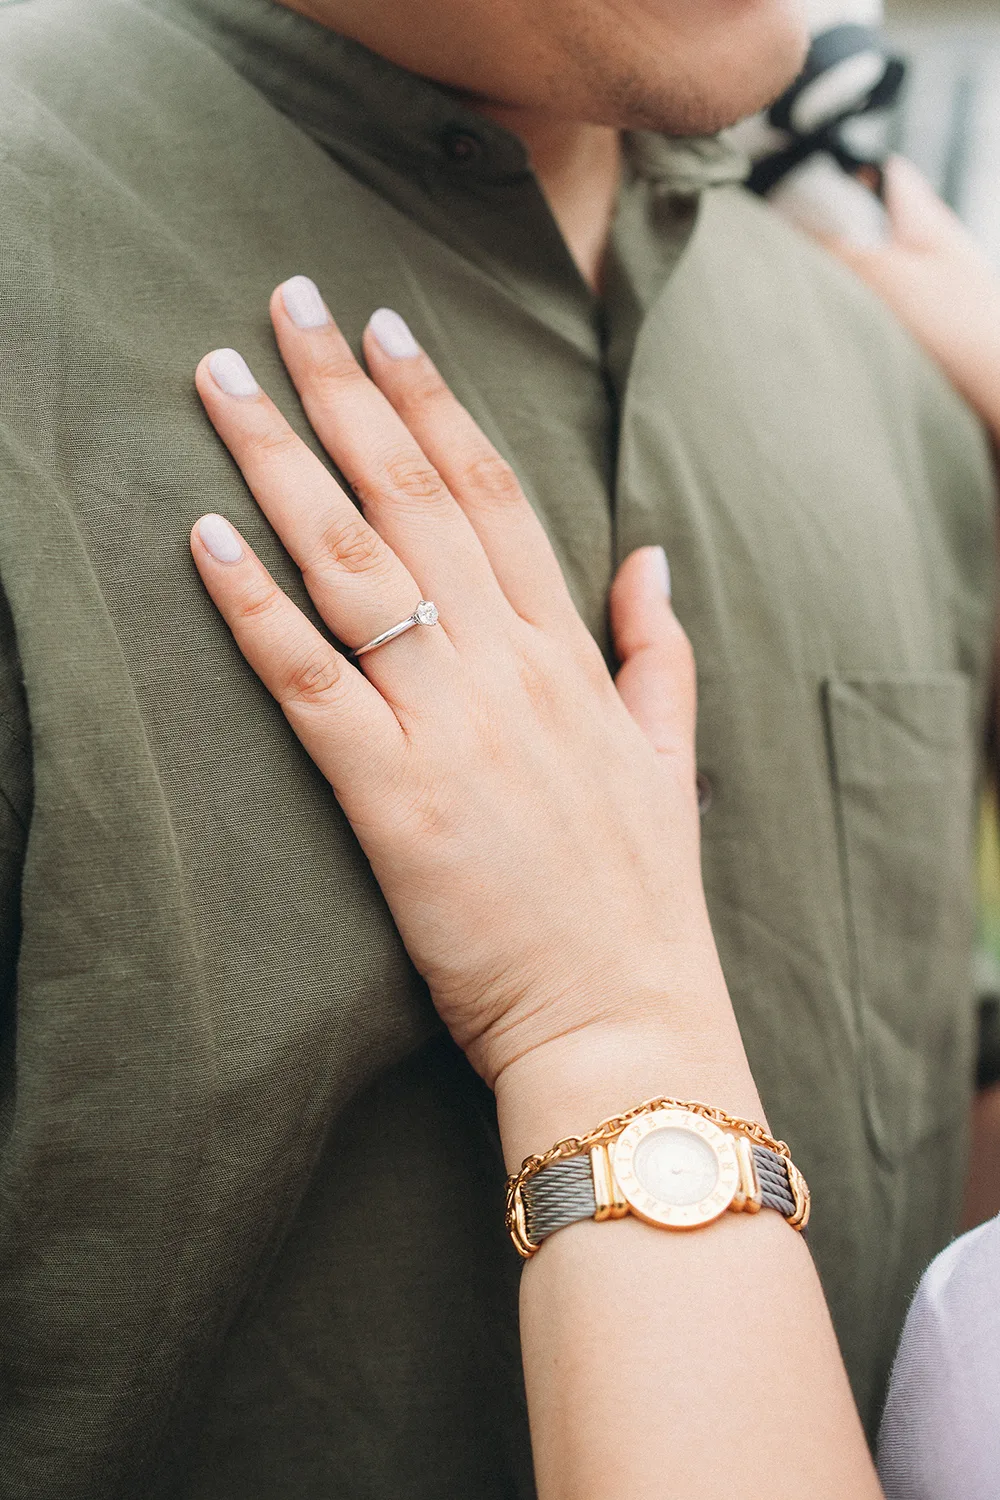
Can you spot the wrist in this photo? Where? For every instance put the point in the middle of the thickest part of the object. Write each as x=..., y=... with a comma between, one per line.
x=634, y=981
x=568, y=1084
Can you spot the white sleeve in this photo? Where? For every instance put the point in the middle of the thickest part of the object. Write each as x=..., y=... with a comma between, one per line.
x=940, y=1437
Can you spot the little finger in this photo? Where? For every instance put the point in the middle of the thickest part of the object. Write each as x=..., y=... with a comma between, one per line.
x=342, y=721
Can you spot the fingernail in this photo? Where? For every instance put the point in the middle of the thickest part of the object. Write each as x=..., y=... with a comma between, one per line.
x=660, y=568
x=231, y=373
x=220, y=539
x=393, y=335
x=303, y=303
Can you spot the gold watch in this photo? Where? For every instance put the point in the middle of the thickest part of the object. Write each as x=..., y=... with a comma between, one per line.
x=673, y=1163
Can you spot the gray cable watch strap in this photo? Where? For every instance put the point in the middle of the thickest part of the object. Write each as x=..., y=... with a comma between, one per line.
x=772, y=1174
x=560, y=1194
x=563, y=1193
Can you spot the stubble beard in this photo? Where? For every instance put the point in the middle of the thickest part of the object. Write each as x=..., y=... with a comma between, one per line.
x=679, y=104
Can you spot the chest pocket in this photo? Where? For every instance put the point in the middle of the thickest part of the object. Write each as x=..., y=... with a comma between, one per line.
x=903, y=771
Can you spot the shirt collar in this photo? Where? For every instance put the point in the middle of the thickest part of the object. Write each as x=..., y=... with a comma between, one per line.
x=346, y=95
x=351, y=99
x=463, y=178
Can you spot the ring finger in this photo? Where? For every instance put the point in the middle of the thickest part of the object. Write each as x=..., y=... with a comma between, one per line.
x=357, y=582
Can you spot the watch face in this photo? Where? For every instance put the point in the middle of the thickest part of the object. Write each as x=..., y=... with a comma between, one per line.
x=676, y=1169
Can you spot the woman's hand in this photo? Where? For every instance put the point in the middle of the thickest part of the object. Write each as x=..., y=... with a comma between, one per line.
x=539, y=850
x=534, y=829
x=940, y=284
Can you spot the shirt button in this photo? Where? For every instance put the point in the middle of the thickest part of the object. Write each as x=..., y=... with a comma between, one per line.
x=704, y=793
x=461, y=145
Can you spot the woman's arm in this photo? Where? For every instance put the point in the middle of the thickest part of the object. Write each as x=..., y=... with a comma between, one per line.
x=661, y=1364
x=538, y=844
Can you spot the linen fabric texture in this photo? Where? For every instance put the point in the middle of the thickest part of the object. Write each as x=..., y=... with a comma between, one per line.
x=251, y=1229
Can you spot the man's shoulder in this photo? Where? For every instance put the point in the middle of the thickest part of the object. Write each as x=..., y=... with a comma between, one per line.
x=126, y=89
x=120, y=124
x=70, y=51
x=92, y=73
x=150, y=200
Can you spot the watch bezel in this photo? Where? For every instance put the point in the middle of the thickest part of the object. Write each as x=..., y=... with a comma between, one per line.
x=654, y=1210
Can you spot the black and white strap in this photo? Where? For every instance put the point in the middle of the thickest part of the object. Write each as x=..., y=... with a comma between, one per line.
x=851, y=74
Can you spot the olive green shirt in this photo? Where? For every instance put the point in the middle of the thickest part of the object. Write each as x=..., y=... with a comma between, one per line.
x=251, y=1240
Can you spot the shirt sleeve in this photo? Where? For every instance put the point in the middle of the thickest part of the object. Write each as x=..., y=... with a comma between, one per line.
x=940, y=1437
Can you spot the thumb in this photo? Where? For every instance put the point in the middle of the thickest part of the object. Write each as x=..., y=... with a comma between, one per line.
x=657, y=676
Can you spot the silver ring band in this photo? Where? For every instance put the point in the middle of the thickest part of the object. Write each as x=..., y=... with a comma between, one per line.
x=424, y=614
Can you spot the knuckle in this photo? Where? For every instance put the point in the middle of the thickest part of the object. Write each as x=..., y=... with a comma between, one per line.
x=681, y=649
x=410, y=476
x=273, y=444
x=491, y=478
x=331, y=370
x=423, y=812
x=671, y=657
x=313, y=681
x=350, y=544
x=672, y=662
x=424, y=388
x=537, y=678
x=261, y=602
x=666, y=661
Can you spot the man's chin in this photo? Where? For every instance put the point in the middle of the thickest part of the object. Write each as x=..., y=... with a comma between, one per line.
x=705, y=113
x=711, y=95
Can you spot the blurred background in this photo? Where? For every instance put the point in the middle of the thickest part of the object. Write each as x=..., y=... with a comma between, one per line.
x=949, y=122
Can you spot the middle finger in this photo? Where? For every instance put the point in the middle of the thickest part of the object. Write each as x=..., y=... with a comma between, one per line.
x=401, y=492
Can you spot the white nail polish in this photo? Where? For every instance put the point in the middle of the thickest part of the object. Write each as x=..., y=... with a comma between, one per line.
x=220, y=539
x=662, y=569
x=393, y=335
x=303, y=303
x=231, y=373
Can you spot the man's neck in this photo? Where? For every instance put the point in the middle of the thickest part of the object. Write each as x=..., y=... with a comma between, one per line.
x=578, y=166
x=579, y=170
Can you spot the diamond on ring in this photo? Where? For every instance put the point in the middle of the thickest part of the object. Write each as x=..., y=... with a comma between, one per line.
x=424, y=614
